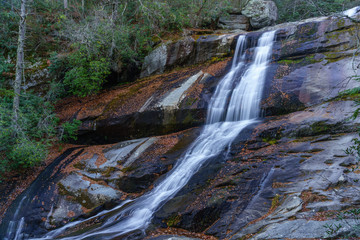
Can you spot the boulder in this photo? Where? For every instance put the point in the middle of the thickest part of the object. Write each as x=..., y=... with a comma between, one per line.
x=85, y=192
x=261, y=13
x=155, y=62
x=234, y=22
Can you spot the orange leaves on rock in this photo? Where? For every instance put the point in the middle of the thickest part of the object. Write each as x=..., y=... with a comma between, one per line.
x=218, y=68
x=179, y=232
x=71, y=214
x=310, y=197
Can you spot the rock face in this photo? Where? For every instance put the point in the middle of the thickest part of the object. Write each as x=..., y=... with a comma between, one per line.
x=261, y=13
x=280, y=172
x=311, y=61
x=152, y=106
x=234, y=22
x=186, y=51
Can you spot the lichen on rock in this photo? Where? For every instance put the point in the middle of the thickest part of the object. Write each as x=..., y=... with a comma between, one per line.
x=261, y=13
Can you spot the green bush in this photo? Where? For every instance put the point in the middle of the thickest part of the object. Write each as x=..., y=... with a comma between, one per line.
x=87, y=75
x=294, y=10
x=8, y=31
x=27, y=153
x=5, y=67
x=70, y=130
x=26, y=146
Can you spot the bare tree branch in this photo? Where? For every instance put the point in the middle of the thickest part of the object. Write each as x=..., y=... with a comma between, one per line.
x=19, y=65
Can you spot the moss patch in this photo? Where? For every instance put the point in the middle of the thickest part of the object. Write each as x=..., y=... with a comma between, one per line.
x=270, y=141
x=301, y=61
x=320, y=127
x=80, y=165
x=173, y=220
x=79, y=197
x=275, y=202
x=129, y=169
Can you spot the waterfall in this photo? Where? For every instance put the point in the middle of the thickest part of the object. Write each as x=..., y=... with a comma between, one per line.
x=246, y=97
x=351, y=12
x=217, y=107
x=15, y=224
x=224, y=124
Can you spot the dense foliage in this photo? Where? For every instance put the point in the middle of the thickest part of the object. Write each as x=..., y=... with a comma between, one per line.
x=294, y=10
x=27, y=146
x=112, y=35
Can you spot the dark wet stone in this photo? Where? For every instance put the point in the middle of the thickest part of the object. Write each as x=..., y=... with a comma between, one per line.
x=141, y=179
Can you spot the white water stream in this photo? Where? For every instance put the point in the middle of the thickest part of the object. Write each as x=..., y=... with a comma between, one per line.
x=234, y=106
x=351, y=12
x=15, y=224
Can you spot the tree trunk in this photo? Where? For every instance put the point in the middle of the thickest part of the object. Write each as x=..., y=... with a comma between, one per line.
x=65, y=4
x=19, y=64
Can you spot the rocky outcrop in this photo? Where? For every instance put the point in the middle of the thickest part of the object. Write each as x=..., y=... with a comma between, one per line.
x=314, y=62
x=234, y=22
x=288, y=167
x=87, y=180
x=152, y=106
x=37, y=79
x=279, y=172
x=309, y=197
x=187, y=51
x=261, y=13
x=87, y=193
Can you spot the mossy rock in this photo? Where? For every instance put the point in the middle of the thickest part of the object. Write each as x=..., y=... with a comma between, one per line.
x=173, y=221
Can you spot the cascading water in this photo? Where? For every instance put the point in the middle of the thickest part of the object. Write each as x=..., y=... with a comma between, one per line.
x=351, y=12
x=224, y=124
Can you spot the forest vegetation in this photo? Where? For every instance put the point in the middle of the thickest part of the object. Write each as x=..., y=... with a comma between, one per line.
x=80, y=45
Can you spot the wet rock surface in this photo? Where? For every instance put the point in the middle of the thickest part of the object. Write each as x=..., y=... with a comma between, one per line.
x=254, y=192
x=313, y=64
x=97, y=178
